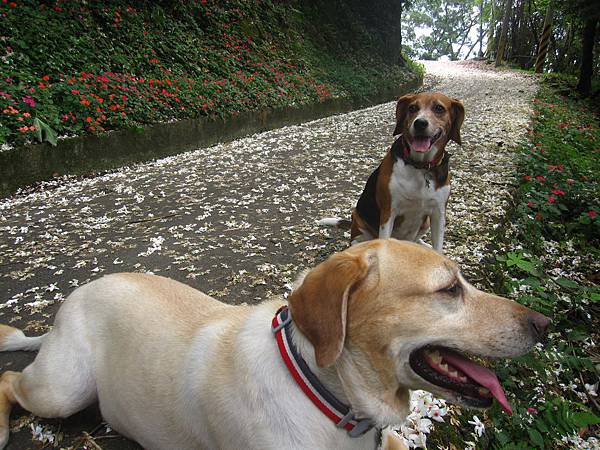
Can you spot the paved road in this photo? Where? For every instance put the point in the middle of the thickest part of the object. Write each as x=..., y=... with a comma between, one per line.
x=237, y=220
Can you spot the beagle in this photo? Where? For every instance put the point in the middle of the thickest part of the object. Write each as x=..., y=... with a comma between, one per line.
x=410, y=188
x=173, y=368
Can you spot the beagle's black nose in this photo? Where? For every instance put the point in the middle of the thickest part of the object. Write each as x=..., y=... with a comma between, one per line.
x=420, y=124
x=538, y=324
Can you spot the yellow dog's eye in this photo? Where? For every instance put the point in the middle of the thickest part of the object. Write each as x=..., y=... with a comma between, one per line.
x=454, y=289
x=439, y=108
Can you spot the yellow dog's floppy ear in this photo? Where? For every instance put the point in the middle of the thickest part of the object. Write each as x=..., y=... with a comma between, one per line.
x=401, y=111
x=320, y=304
x=458, y=116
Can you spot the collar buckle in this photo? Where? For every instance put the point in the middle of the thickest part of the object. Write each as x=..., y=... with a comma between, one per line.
x=362, y=426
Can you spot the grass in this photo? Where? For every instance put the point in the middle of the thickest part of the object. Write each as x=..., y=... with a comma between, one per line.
x=547, y=257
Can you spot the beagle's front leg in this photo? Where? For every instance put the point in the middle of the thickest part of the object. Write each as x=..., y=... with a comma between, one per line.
x=386, y=228
x=438, y=225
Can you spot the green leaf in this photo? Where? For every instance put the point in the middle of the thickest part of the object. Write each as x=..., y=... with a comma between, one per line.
x=44, y=132
x=583, y=419
x=541, y=425
x=535, y=437
x=533, y=282
x=566, y=283
x=525, y=265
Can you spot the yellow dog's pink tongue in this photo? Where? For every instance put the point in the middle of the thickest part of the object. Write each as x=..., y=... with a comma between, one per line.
x=421, y=144
x=481, y=375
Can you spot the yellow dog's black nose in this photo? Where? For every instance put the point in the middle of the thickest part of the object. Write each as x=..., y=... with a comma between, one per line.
x=538, y=324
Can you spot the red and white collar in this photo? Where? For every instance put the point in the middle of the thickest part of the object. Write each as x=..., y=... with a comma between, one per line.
x=341, y=414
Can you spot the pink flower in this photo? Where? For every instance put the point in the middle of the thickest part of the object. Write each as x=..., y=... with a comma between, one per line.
x=532, y=410
x=551, y=199
x=592, y=214
x=29, y=101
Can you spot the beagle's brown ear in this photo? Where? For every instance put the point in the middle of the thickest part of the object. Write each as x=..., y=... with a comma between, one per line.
x=458, y=116
x=401, y=111
x=320, y=304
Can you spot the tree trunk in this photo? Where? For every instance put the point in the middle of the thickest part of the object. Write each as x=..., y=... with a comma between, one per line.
x=544, y=40
x=489, y=48
x=504, y=32
x=480, y=32
x=515, y=32
x=584, y=86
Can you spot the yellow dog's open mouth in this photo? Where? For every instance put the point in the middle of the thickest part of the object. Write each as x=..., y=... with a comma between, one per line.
x=475, y=385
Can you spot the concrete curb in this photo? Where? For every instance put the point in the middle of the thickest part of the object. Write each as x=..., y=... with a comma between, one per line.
x=28, y=164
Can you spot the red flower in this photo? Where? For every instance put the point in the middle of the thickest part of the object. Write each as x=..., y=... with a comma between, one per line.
x=592, y=214
x=13, y=4
x=527, y=177
x=532, y=410
x=558, y=192
x=551, y=199
x=540, y=178
x=46, y=77
x=88, y=120
x=530, y=203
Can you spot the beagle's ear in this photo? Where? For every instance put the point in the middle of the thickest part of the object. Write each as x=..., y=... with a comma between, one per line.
x=320, y=304
x=401, y=111
x=458, y=116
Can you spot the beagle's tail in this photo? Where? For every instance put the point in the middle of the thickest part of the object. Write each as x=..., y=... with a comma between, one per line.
x=336, y=222
x=12, y=339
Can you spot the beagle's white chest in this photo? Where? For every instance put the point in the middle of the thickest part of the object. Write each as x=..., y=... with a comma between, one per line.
x=415, y=189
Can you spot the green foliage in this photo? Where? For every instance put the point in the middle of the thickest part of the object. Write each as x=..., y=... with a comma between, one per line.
x=88, y=67
x=448, y=24
x=547, y=259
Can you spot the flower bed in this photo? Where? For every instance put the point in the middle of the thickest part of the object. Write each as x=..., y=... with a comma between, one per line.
x=71, y=68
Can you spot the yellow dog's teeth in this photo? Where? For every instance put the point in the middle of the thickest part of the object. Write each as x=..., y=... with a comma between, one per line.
x=435, y=356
